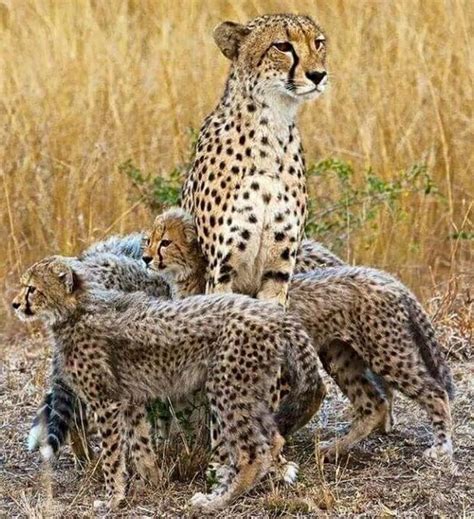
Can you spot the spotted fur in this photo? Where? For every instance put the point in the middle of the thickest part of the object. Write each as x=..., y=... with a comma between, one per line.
x=369, y=330
x=114, y=263
x=171, y=248
x=246, y=189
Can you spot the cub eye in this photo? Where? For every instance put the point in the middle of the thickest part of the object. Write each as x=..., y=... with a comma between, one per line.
x=284, y=46
x=31, y=289
x=146, y=242
x=320, y=43
x=165, y=243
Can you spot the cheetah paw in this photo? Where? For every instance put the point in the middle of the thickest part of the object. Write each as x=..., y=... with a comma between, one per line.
x=98, y=503
x=443, y=451
x=326, y=451
x=201, y=501
x=290, y=473
x=112, y=504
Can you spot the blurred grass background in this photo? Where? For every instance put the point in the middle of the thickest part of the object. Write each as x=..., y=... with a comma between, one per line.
x=87, y=85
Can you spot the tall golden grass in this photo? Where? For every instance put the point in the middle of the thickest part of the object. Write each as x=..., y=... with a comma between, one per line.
x=87, y=84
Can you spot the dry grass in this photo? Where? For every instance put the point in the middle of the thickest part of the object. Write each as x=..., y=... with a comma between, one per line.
x=385, y=476
x=86, y=85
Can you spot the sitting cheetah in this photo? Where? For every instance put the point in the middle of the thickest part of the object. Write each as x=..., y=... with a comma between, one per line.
x=246, y=189
x=117, y=351
x=114, y=263
x=359, y=319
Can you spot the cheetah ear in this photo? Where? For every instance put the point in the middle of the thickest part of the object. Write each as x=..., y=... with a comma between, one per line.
x=66, y=276
x=190, y=234
x=229, y=36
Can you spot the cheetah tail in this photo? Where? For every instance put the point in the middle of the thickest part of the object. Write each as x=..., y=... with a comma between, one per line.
x=39, y=427
x=424, y=336
x=58, y=414
x=306, y=390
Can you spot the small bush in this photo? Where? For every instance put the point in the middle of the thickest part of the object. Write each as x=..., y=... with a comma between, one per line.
x=343, y=201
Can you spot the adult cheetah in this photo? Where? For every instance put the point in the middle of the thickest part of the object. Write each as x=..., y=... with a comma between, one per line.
x=246, y=189
x=117, y=351
x=369, y=330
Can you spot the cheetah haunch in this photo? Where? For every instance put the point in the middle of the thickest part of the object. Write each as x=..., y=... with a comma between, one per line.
x=246, y=189
x=117, y=351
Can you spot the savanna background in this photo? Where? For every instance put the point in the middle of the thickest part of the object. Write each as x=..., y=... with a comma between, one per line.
x=100, y=102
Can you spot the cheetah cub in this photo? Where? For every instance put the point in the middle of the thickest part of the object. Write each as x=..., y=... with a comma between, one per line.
x=360, y=320
x=246, y=189
x=117, y=351
x=113, y=263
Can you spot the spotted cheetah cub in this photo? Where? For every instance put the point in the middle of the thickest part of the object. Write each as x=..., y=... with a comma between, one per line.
x=246, y=189
x=117, y=351
x=360, y=320
x=113, y=263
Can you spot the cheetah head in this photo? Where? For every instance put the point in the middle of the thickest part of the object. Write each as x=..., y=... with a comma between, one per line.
x=48, y=290
x=279, y=54
x=171, y=246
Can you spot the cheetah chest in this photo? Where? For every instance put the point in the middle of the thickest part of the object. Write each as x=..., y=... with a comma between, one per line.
x=253, y=203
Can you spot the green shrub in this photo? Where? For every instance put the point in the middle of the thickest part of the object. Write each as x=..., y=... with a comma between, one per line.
x=341, y=201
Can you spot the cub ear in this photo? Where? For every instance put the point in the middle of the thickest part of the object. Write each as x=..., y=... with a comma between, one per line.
x=229, y=36
x=190, y=234
x=66, y=276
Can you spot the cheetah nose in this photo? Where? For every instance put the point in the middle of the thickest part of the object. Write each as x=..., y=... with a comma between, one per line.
x=147, y=259
x=16, y=305
x=316, y=76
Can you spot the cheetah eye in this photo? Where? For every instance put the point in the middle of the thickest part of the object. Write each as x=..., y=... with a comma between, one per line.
x=146, y=242
x=165, y=243
x=283, y=46
x=31, y=289
x=320, y=43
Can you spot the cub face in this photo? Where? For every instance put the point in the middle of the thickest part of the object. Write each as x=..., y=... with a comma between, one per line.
x=172, y=244
x=46, y=290
x=277, y=54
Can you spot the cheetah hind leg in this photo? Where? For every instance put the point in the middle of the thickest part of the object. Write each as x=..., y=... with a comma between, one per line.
x=361, y=427
x=371, y=408
x=389, y=421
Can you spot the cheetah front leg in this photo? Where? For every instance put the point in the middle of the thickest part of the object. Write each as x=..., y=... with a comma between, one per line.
x=220, y=278
x=278, y=268
x=247, y=430
x=111, y=424
x=140, y=443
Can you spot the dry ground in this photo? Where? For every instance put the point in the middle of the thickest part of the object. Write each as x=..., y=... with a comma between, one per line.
x=385, y=476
